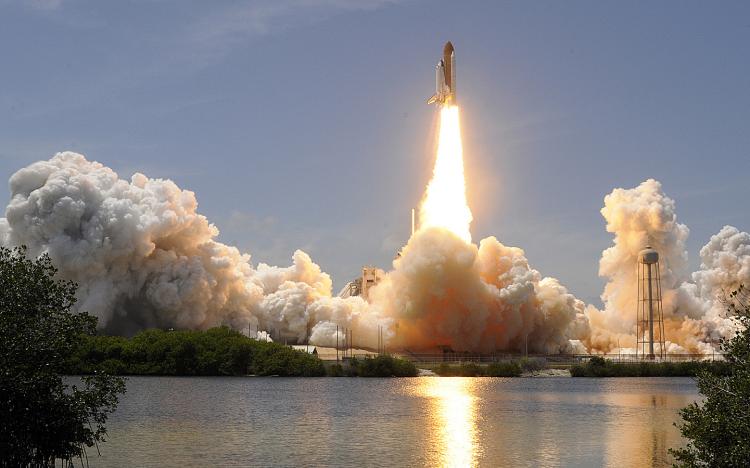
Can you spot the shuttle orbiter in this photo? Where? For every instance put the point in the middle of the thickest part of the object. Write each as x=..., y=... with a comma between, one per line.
x=445, y=78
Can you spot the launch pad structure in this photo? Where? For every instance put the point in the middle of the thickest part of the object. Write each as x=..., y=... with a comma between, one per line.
x=361, y=286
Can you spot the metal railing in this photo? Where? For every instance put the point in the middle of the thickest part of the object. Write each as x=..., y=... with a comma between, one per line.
x=550, y=359
x=560, y=359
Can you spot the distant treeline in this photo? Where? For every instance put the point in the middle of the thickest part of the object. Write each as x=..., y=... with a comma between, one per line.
x=512, y=368
x=470, y=369
x=379, y=366
x=600, y=367
x=217, y=351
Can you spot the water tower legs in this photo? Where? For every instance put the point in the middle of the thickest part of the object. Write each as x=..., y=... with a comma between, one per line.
x=650, y=315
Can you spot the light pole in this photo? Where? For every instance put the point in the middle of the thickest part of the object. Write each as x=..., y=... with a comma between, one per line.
x=527, y=344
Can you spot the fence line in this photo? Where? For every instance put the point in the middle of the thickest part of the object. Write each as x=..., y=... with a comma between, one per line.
x=560, y=359
x=439, y=358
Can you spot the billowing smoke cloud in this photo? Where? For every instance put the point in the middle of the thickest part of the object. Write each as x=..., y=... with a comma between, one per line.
x=144, y=257
x=444, y=291
x=693, y=313
x=637, y=217
x=725, y=265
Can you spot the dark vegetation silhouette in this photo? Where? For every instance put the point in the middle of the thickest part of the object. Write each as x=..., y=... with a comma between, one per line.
x=216, y=351
x=600, y=367
x=718, y=427
x=379, y=366
x=43, y=418
x=471, y=369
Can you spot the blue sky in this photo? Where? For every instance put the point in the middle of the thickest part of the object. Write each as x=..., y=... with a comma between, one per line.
x=303, y=124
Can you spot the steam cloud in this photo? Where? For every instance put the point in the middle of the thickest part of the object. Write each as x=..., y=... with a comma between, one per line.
x=693, y=313
x=445, y=291
x=144, y=257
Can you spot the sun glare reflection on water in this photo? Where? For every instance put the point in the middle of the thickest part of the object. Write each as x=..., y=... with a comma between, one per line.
x=454, y=408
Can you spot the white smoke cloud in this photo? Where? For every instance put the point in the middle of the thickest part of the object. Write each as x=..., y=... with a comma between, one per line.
x=444, y=291
x=353, y=313
x=725, y=265
x=144, y=257
x=263, y=336
x=639, y=217
x=693, y=313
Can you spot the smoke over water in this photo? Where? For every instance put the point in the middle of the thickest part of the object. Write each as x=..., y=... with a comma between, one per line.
x=144, y=257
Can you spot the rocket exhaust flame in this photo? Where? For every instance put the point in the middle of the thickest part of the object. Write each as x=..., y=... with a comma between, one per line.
x=444, y=204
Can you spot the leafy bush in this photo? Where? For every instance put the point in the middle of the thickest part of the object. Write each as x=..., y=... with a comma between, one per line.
x=335, y=370
x=600, y=367
x=532, y=364
x=283, y=361
x=718, y=427
x=503, y=369
x=470, y=369
x=382, y=366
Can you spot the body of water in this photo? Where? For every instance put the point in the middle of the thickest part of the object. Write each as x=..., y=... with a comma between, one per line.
x=428, y=421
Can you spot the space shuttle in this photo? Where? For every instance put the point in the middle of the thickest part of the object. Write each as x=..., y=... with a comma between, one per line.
x=445, y=78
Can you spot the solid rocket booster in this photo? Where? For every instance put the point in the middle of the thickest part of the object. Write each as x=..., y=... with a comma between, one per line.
x=445, y=78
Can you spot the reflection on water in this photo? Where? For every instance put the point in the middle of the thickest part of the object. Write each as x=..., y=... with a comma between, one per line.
x=163, y=421
x=454, y=431
x=629, y=439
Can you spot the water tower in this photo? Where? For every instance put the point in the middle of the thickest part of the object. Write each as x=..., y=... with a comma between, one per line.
x=650, y=320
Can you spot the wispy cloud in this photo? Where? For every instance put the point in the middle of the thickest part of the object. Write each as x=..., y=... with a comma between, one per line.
x=45, y=5
x=225, y=27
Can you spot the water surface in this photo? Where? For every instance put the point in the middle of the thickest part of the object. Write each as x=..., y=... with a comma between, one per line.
x=429, y=421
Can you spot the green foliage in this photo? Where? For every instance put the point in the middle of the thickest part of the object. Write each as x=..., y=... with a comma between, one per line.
x=379, y=366
x=284, y=361
x=335, y=370
x=470, y=369
x=217, y=351
x=718, y=428
x=532, y=364
x=600, y=367
x=42, y=418
x=503, y=369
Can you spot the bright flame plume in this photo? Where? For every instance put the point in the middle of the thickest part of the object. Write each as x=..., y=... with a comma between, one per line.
x=444, y=204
